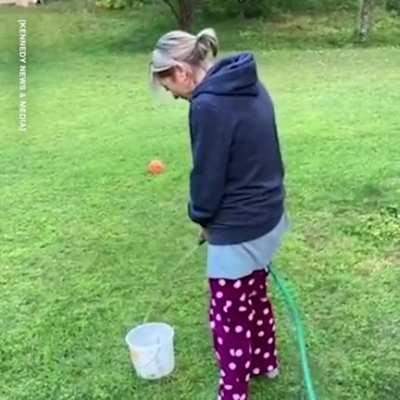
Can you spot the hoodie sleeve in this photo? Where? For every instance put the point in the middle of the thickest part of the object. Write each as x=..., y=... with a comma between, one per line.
x=211, y=134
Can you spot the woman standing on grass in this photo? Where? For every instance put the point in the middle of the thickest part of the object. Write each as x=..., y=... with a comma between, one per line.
x=236, y=196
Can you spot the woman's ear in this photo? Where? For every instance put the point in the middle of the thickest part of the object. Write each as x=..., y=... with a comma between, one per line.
x=183, y=73
x=188, y=75
x=179, y=72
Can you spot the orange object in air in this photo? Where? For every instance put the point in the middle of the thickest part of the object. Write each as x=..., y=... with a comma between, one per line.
x=156, y=167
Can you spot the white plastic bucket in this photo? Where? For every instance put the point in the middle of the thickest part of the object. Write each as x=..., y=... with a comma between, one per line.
x=151, y=348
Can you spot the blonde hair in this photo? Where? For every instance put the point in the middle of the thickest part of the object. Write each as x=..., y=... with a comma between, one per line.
x=180, y=48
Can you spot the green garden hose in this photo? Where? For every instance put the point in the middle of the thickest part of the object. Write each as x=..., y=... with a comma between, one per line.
x=294, y=314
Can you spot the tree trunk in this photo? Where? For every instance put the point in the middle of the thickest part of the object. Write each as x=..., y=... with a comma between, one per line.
x=186, y=12
x=365, y=23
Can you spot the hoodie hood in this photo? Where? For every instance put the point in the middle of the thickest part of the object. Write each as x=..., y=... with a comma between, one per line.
x=234, y=75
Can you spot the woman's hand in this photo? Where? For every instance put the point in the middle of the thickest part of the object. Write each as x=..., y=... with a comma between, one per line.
x=203, y=237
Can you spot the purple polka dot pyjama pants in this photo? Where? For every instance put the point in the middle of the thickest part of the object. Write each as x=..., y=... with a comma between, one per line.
x=243, y=328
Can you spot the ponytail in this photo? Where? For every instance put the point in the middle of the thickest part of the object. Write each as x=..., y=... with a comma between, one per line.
x=206, y=42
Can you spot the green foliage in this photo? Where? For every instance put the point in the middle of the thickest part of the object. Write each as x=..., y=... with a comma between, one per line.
x=254, y=8
x=117, y=4
x=315, y=5
x=393, y=5
x=234, y=8
x=71, y=5
x=335, y=29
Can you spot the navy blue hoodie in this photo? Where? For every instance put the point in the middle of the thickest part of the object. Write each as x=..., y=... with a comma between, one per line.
x=236, y=184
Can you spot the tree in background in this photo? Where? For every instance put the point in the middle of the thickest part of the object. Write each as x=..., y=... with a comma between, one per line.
x=366, y=19
x=184, y=12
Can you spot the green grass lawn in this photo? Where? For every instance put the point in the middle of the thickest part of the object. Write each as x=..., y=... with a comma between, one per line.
x=88, y=238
